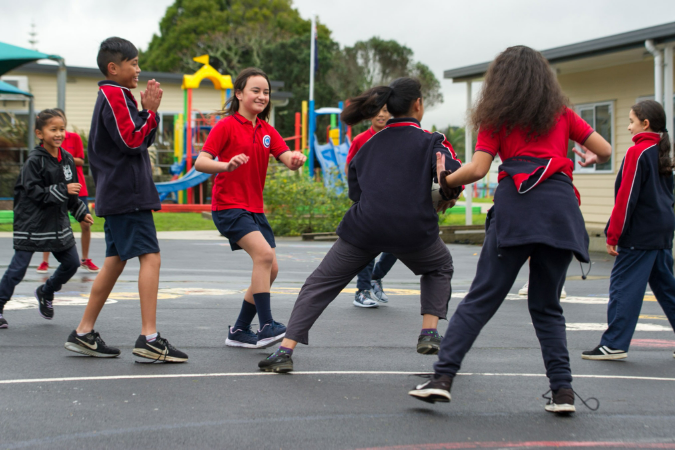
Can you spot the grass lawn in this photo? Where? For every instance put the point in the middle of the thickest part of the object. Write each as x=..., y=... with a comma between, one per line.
x=163, y=222
x=194, y=221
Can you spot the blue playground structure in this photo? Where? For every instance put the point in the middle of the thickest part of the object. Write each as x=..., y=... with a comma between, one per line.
x=332, y=156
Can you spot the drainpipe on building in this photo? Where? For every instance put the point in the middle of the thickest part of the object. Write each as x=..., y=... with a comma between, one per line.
x=668, y=91
x=658, y=70
x=468, y=189
x=61, y=84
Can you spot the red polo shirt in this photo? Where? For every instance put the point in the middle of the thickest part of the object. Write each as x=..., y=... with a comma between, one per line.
x=551, y=145
x=358, y=142
x=73, y=145
x=243, y=187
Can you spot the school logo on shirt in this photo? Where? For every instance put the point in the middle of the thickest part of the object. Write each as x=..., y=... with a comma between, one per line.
x=67, y=172
x=266, y=141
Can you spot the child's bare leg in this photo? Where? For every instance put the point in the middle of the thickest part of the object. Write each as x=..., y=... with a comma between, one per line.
x=273, y=276
x=45, y=257
x=103, y=285
x=148, y=283
x=429, y=321
x=86, y=238
x=289, y=343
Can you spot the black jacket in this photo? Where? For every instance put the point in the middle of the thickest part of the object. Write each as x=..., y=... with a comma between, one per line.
x=42, y=202
x=390, y=180
x=118, y=152
x=642, y=217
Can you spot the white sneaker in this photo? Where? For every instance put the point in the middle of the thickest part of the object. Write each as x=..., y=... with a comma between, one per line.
x=365, y=299
x=523, y=290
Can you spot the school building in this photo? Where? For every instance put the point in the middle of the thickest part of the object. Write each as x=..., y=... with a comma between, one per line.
x=82, y=87
x=40, y=79
x=603, y=79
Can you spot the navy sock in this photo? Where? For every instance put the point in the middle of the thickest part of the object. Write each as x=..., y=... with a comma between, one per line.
x=262, y=304
x=429, y=332
x=246, y=315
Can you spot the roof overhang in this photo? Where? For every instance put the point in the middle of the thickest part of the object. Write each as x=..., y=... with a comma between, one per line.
x=605, y=52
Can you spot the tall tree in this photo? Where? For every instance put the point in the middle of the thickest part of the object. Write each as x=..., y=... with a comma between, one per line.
x=376, y=62
x=233, y=31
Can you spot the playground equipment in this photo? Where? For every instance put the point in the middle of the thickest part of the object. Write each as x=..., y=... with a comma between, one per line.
x=332, y=156
x=188, y=131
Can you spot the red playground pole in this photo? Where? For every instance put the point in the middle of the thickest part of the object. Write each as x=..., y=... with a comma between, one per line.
x=188, y=147
x=297, y=131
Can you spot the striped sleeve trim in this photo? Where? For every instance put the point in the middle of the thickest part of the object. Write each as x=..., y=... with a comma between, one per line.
x=132, y=135
x=54, y=190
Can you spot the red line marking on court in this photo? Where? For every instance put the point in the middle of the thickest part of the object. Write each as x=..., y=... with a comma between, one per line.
x=654, y=343
x=527, y=444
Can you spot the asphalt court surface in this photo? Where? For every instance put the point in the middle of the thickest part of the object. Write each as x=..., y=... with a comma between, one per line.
x=349, y=388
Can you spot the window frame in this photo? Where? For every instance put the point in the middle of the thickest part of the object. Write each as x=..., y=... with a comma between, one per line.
x=592, y=170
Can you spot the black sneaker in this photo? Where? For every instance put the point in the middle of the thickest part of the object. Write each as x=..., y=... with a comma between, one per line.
x=561, y=402
x=429, y=344
x=44, y=304
x=604, y=353
x=159, y=350
x=4, y=324
x=277, y=362
x=90, y=344
x=437, y=389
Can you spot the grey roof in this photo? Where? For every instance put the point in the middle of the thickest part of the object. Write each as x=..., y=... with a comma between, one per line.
x=162, y=77
x=609, y=44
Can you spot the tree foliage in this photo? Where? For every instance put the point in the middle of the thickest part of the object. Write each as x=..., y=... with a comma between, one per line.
x=271, y=35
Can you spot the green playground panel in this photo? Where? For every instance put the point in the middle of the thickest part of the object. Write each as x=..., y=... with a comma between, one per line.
x=8, y=217
x=462, y=210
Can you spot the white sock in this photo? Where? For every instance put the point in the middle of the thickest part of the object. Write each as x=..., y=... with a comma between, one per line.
x=83, y=334
x=151, y=337
x=1, y=317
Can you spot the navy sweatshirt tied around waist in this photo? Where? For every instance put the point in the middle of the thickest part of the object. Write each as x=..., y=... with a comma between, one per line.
x=390, y=182
x=118, y=152
x=536, y=203
x=643, y=216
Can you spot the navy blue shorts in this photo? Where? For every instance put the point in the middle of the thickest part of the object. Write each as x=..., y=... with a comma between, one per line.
x=86, y=203
x=130, y=235
x=234, y=224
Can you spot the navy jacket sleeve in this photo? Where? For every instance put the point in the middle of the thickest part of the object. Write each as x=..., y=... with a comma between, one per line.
x=76, y=206
x=36, y=190
x=128, y=127
x=628, y=184
x=442, y=145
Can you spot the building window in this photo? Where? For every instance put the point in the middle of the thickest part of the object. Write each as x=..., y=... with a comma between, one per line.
x=600, y=116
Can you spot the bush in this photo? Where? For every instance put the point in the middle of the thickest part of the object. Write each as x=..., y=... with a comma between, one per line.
x=296, y=204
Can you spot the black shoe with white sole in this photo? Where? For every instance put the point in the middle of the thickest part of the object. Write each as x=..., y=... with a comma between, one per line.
x=437, y=389
x=44, y=304
x=158, y=350
x=278, y=362
x=604, y=353
x=561, y=402
x=90, y=344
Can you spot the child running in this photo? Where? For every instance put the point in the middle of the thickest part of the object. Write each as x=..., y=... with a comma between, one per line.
x=522, y=116
x=243, y=142
x=73, y=145
x=369, y=291
x=43, y=194
x=126, y=195
x=390, y=182
x=640, y=231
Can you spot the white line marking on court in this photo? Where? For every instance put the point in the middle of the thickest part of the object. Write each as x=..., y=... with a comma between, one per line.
x=320, y=372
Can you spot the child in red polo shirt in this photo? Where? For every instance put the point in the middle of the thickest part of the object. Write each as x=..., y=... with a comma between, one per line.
x=243, y=142
x=73, y=145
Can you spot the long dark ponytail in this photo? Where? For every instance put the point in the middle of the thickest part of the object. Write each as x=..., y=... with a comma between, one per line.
x=232, y=104
x=399, y=97
x=654, y=112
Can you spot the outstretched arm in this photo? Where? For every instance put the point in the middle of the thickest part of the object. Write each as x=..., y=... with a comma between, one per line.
x=293, y=160
x=469, y=172
x=206, y=164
